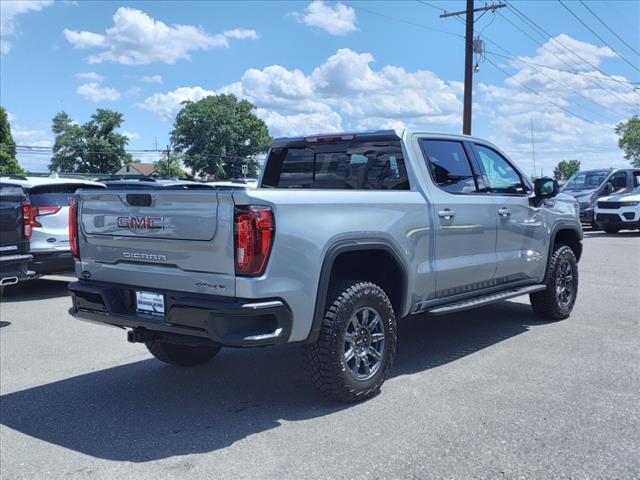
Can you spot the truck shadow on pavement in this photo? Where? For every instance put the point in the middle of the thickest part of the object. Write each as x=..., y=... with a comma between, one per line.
x=40, y=289
x=145, y=410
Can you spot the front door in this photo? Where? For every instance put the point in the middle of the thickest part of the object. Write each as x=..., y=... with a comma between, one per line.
x=464, y=220
x=521, y=246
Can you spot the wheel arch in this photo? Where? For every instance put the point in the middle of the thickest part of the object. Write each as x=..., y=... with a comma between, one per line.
x=341, y=255
x=569, y=235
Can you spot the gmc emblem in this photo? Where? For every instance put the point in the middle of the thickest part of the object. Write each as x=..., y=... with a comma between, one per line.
x=147, y=223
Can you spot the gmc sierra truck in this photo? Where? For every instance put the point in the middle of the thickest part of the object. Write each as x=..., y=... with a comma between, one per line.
x=344, y=235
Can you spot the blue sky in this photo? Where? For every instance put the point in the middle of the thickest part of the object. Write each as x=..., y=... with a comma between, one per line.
x=326, y=66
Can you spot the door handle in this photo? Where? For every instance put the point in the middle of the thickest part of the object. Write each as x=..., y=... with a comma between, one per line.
x=504, y=212
x=447, y=214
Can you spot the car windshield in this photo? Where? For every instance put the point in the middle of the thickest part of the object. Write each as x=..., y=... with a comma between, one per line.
x=586, y=180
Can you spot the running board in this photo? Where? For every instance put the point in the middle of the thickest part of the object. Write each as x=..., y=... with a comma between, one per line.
x=485, y=300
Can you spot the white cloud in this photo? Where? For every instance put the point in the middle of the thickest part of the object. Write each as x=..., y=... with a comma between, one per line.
x=94, y=92
x=9, y=11
x=241, y=34
x=131, y=135
x=573, y=114
x=338, y=19
x=344, y=86
x=152, y=79
x=84, y=39
x=166, y=105
x=89, y=76
x=138, y=39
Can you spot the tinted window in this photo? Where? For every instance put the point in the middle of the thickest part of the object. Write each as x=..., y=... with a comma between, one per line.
x=449, y=165
x=503, y=178
x=619, y=180
x=350, y=166
x=52, y=195
x=586, y=180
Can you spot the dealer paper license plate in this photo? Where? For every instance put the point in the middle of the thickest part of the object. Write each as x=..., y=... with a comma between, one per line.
x=149, y=302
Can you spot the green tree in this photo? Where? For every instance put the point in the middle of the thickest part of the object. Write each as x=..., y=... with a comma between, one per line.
x=8, y=162
x=219, y=133
x=170, y=167
x=94, y=147
x=629, y=141
x=565, y=169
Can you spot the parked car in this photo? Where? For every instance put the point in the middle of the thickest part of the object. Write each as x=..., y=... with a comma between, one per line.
x=14, y=235
x=619, y=212
x=48, y=218
x=589, y=185
x=345, y=234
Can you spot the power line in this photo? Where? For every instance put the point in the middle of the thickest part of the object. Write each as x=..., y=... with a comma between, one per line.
x=551, y=102
x=609, y=28
x=408, y=22
x=594, y=81
x=598, y=36
x=556, y=41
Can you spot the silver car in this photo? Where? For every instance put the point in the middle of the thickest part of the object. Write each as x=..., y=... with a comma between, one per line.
x=48, y=215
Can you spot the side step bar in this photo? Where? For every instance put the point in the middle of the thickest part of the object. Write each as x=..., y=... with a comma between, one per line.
x=487, y=299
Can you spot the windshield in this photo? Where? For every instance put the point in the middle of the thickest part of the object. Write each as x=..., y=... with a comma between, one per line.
x=586, y=180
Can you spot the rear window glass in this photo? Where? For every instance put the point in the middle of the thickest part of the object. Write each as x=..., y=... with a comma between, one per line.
x=52, y=195
x=343, y=166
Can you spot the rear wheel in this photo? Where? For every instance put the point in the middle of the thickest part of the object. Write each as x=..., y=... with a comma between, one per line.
x=356, y=345
x=181, y=355
x=611, y=229
x=558, y=299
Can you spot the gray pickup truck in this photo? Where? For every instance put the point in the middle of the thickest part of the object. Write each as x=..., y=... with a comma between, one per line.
x=345, y=234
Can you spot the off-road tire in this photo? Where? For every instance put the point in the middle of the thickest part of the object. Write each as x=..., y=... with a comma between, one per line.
x=325, y=359
x=611, y=229
x=545, y=303
x=181, y=355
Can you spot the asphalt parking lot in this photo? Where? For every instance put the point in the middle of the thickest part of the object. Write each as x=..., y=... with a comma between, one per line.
x=490, y=393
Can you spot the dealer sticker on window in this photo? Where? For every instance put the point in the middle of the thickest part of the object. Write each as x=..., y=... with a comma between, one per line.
x=149, y=302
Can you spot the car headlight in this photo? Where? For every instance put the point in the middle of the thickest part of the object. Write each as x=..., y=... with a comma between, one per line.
x=630, y=204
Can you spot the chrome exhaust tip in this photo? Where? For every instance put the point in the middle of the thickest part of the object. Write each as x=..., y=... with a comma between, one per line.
x=8, y=281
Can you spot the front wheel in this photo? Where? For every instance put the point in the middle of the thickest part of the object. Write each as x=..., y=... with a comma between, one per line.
x=356, y=345
x=181, y=355
x=558, y=299
x=611, y=229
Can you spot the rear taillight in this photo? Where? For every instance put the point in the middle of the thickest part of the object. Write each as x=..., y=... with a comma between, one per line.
x=254, y=230
x=42, y=212
x=73, y=229
x=28, y=220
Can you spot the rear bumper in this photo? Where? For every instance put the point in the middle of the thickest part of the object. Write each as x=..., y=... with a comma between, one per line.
x=14, y=268
x=54, y=262
x=223, y=321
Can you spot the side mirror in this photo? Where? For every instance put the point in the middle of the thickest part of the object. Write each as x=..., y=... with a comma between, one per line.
x=608, y=189
x=545, y=187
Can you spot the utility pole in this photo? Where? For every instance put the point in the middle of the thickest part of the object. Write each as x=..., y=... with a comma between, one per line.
x=468, y=56
x=533, y=150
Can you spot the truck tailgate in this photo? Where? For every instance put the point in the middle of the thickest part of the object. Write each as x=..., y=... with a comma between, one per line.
x=157, y=238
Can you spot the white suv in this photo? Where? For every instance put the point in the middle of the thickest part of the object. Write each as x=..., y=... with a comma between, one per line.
x=619, y=212
x=48, y=215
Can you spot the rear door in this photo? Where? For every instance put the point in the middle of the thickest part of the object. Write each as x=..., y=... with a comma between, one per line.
x=464, y=216
x=521, y=242
x=164, y=238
